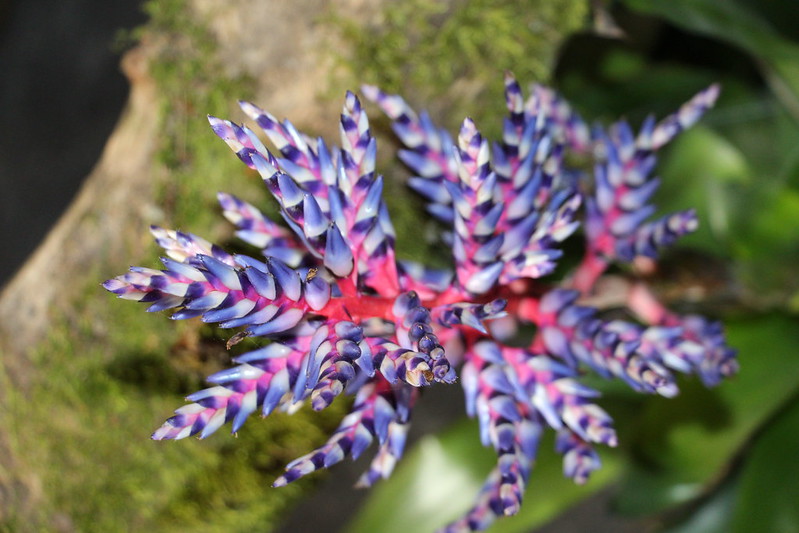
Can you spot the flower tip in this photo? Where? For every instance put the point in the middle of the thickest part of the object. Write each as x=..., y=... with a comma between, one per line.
x=713, y=91
x=280, y=482
x=668, y=390
x=370, y=92
x=474, y=323
x=511, y=509
x=692, y=224
x=494, y=308
x=468, y=127
x=113, y=284
x=161, y=433
x=729, y=368
x=483, y=280
x=351, y=103
x=266, y=168
x=157, y=231
x=338, y=255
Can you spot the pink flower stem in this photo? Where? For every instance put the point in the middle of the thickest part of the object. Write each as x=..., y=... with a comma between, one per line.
x=590, y=269
x=645, y=305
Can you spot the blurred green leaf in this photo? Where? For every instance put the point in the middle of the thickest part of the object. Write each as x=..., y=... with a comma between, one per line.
x=439, y=479
x=738, y=176
x=705, y=171
x=622, y=82
x=713, y=516
x=435, y=481
x=739, y=167
x=761, y=496
x=685, y=443
x=734, y=22
x=769, y=482
x=768, y=247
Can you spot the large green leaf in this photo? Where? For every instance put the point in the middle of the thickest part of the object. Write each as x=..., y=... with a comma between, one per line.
x=713, y=516
x=761, y=496
x=441, y=476
x=769, y=482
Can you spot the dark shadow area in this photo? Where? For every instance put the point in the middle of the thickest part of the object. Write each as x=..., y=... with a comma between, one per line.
x=150, y=372
x=61, y=96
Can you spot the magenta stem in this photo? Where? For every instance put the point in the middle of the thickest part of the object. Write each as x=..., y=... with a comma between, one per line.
x=591, y=268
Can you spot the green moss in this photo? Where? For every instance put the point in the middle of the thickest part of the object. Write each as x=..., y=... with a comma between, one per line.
x=191, y=85
x=97, y=392
x=450, y=54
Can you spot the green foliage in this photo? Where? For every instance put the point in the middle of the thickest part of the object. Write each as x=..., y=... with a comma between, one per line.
x=759, y=211
x=743, y=25
x=718, y=173
x=761, y=494
x=739, y=168
x=767, y=487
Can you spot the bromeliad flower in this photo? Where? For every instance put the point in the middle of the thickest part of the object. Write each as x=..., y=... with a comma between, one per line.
x=339, y=313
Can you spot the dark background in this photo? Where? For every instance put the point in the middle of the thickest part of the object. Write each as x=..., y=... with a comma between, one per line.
x=61, y=94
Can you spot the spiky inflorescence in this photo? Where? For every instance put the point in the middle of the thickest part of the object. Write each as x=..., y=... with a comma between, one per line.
x=343, y=315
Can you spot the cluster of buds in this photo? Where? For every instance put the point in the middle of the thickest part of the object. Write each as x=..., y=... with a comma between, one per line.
x=339, y=313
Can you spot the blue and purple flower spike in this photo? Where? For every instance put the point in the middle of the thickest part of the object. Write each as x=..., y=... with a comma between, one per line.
x=338, y=313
